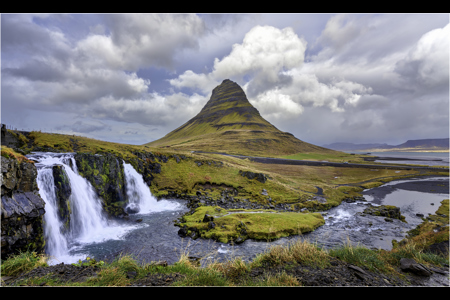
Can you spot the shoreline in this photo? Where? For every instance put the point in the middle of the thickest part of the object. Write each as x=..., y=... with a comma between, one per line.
x=401, y=151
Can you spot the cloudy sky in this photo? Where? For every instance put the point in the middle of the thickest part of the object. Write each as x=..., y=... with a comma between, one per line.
x=131, y=78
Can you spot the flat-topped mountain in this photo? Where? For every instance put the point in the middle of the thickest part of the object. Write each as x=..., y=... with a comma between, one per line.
x=230, y=123
x=410, y=145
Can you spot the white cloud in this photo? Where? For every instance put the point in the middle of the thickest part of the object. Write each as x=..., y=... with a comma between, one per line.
x=275, y=105
x=427, y=63
x=265, y=50
x=189, y=79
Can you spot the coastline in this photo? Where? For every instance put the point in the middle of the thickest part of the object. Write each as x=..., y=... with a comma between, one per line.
x=404, y=150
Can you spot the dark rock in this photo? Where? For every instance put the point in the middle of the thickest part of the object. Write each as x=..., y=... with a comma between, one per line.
x=389, y=211
x=106, y=174
x=63, y=191
x=251, y=175
x=132, y=208
x=410, y=265
x=208, y=218
x=182, y=232
x=22, y=209
x=440, y=248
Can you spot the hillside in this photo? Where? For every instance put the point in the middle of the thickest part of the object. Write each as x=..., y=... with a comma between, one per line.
x=229, y=123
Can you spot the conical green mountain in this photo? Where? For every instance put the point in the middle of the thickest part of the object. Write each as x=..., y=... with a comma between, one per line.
x=229, y=123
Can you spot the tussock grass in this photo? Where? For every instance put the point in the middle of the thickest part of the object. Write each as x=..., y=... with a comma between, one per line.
x=23, y=262
x=358, y=255
x=281, y=279
x=10, y=153
x=299, y=251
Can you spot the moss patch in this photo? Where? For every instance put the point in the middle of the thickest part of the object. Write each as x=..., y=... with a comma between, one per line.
x=237, y=225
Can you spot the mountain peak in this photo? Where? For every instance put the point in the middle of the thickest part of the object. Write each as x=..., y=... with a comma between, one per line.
x=230, y=123
x=228, y=108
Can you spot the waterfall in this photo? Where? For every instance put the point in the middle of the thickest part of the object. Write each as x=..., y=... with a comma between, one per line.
x=87, y=221
x=140, y=199
x=56, y=243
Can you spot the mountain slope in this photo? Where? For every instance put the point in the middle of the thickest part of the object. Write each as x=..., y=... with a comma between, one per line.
x=229, y=123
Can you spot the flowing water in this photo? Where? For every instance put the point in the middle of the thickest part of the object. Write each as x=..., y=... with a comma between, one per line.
x=150, y=234
x=88, y=224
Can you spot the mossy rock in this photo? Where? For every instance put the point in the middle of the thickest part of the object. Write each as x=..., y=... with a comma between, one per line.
x=237, y=225
x=387, y=211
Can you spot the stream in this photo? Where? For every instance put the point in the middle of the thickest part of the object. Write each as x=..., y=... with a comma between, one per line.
x=150, y=234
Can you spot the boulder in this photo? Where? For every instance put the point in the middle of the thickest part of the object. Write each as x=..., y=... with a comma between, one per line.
x=208, y=218
x=211, y=225
x=388, y=211
x=410, y=265
x=132, y=208
x=251, y=175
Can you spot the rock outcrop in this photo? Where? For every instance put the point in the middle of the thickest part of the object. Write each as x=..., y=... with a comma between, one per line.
x=251, y=175
x=62, y=192
x=22, y=208
x=388, y=211
x=106, y=174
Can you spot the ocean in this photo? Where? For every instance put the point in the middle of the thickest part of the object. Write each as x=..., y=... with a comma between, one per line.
x=420, y=158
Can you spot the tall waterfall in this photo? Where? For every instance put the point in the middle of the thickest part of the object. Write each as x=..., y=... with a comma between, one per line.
x=88, y=224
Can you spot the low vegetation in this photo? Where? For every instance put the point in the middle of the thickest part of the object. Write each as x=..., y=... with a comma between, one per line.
x=10, y=153
x=233, y=224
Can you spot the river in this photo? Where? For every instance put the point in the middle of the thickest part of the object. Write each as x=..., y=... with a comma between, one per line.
x=150, y=234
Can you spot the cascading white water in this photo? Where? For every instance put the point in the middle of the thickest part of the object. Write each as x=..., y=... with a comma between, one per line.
x=56, y=243
x=140, y=199
x=87, y=222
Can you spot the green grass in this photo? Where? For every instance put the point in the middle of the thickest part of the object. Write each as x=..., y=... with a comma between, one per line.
x=254, y=224
x=22, y=262
x=10, y=153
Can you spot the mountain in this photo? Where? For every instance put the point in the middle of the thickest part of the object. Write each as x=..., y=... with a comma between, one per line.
x=410, y=145
x=354, y=147
x=426, y=144
x=229, y=123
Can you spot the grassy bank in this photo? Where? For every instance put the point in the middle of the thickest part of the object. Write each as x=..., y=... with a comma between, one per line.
x=277, y=261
